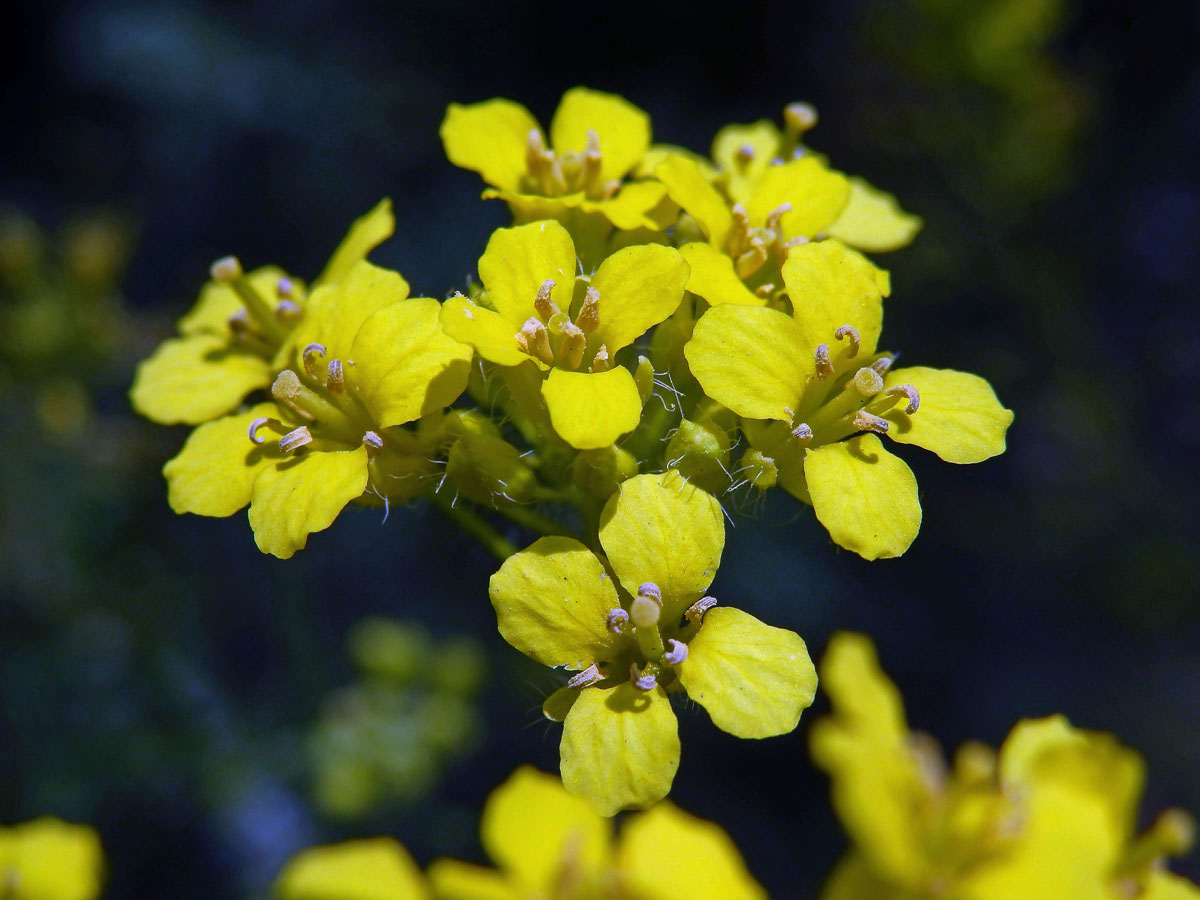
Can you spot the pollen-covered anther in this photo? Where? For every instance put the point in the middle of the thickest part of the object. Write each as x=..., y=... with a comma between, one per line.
x=543, y=165
x=751, y=260
x=372, y=440
x=650, y=589
x=601, y=361
x=256, y=425
x=865, y=421
x=570, y=351
x=335, y=379
x=287, y=311
x=867, y=381
x=695, y=612
x=284, y=288
x=906, y=390
x=764, y=290
x=776, y=214
x=882, y=364
x=643, y=681
x=226, y=270
x=542, y=303
x=588, y=676
x=821, y=360
x=589, y=314
x=794, y=242
x=799, y=117
x=849, y=333
x=744, y=155
x=677, y=652
x=535, y=340
x=239, y=323
x=802, y=434
x=295, y=439
x=589, y=168
x=617, y=621
x=309, y=356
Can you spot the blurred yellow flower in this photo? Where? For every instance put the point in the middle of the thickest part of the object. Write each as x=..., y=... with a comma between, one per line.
x=814, y=391
x=640, y=629
x=373, y=869
x=566, y=329
x=367, y=359
x=230, y=342
x=1050, y=818
x=48, y=859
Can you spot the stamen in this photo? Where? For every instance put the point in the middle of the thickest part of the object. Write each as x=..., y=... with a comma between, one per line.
x=589, y=314
x=372, y=440
x=287, y=311
x=535, y=340
x=677, y=652
x=867, y=381
x=650, y=589
x=256, y=425
x=542, y=303
x=851, y=333
x=764, y=290
x=744, y=155
x=882, y=364
x=311, y=352
x=821, y=358
x=799, y=118
x=284, y=288
x=335, y=380
x=588, y=676
x=865, y=421
x=601, y=361
x=610, y=188
x=573, y=343
x=776, y=214
x=802, y=434
x=695, y=612
x=617, y=621
x=906, y=390
x=795, y=242
x=751, y=261
x=226, y=270
x=589, y=169
x=296, y=439
x=239, y=323
x=643, y=682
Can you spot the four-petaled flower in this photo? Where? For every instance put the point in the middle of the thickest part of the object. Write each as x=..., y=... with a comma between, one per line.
x=565, y=330
x=640, y=629
x=48, y=859
x=367, y=360
x=826, y=392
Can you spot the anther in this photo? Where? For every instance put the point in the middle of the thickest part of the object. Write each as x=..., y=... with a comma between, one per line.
x=850, y=333
x=226, y=270
x=865, y=421
x=335, y=379
x=372, y=440
x=309, y=356
x=677, y=652
x=589, y=314
x=573, y=343
x=752, y=260
x=255, y=426
x=744, y=155
x=284, y=288
x=799, y=118
x=590, y=163
x=295, y=439
x=617, y=621
x=239, y=323
x=821, y=359
x=287, y=311
x=802, y=433
x=695, y=612
x=764, y=290
x=776, y=214
x=882, y=364
x=906, y=390
x=542, y=303
x=650, y=589
x=867, y=381
x=588, y=676
x=643, y=682
x=534, y=340
x=795, y=242
x=601, y=361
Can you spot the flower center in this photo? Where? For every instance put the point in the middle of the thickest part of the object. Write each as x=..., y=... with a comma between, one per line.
x=753, y=246
x=258, y=326
x=557, y=340
x=554, y=174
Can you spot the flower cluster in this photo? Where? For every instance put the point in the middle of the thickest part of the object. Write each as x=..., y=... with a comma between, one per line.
x=48, y=859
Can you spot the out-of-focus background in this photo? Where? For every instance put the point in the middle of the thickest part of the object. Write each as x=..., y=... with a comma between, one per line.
x=212, y=710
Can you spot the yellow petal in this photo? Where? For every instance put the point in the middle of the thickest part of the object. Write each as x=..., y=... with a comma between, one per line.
x=552, y=602
x=532, y=827
x=864, y=496
x=745, y=170
x=589, y=410
x=752, y=359
x=454, y=880
x=518, y=260
x=1165, y=886
x=490, y=138
x=817, y=195
x=219, y=301
x=873, y=220
x=960, y=419
x=373, y=869
x=335, y=312
x=488, y=332
x=659, y=528
x=639, y=287
x=367, y=233
x=623, y=129
x=658, y=153
x=620, y=748
x=688, y=186
x=297, y=497
x=214, y=473
x=713, y=277
x=48, y=859
x=753, y=679
x=667, y=854
x=194, y=379
x=831, y=285
x=405, y=366
x=633, y=206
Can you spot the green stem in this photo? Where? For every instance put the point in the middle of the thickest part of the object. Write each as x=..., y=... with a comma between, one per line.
x=492, y=540
x=533, y=520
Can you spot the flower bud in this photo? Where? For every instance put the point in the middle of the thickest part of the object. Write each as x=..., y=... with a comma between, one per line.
x=489, y=470
x=700, y=452
x=599, y=472
x=758, y=469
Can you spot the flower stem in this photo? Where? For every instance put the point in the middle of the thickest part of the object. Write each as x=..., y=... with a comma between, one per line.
x=534, y=520
x=472, y=524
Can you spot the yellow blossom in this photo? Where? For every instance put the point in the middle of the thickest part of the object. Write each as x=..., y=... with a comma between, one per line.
x=367, y=360
x=1051, y=817
x=48, y=859
x=596, y=141
x=565, y=330
x=547, y=843
x=373, y=869
x=816, y=392
x=230, y=342
x=642, y=628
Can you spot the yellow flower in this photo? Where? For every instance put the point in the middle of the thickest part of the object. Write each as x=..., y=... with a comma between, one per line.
x=548, y=843
x=374, y=869
x=48, y=859
x=640, y=629
x=826, y=391
x=230, y=342
x=1050, y=818
x=596, y=141
x=564, y=329
x=367, y=361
